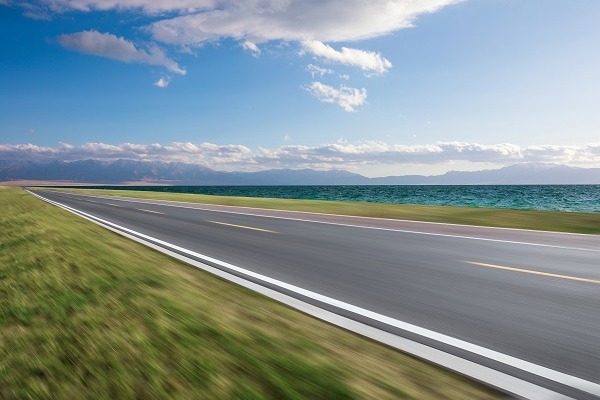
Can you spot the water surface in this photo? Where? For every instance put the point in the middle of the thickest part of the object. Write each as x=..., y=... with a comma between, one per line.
x=574, y=198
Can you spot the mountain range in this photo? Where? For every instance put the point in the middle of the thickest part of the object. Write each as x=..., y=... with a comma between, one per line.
x=176, y=173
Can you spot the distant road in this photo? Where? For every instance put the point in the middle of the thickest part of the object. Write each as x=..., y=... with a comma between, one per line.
x=533, y=296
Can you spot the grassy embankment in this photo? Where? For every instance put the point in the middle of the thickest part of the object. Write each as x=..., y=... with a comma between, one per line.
x=85, y=313
x=537, y=220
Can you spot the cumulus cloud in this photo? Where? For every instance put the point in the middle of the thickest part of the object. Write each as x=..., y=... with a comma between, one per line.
x=325, y=20
x=346, y=97
x=315, y=70
x=204, y=153
x=368, y=61
x=163, y=82
x=347, y=155
x=294, y=20
x=194, y=22
x=341, y=155
x=117, y=48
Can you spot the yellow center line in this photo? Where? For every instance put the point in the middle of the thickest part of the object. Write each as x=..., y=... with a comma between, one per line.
x=528, y=271
x=242, y=226
x=150, y=211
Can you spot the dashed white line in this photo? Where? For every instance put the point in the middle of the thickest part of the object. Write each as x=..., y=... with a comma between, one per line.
x=150, y=211
x=242, y=226
x=534, y=272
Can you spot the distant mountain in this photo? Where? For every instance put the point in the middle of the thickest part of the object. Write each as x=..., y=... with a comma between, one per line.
x=157, y=172
x=105, y=172
x=176, y=173
x=518, y=174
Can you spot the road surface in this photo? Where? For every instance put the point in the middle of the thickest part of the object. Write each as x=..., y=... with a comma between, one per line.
x=530, y=295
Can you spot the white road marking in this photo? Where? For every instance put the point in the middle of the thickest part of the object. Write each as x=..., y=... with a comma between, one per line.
x=150, y=211
x=242, y=226
x=534, y=272
x=541, y=371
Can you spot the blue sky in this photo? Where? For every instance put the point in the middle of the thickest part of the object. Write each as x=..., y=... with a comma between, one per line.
x=422, y=87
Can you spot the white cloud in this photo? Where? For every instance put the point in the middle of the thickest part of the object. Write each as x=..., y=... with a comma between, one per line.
x=294, y=20
x=369, y=61
x=194, y=22
x=189, y=24
x=346, y=97
x=117, y=48
x=315, y=70
x=347, y=155
x=345, y=77
x=340, y=155
x=252, y=47
x=204, y=153
x=163, y=82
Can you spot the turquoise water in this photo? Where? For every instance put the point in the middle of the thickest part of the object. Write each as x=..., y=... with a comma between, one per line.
x=574, y=198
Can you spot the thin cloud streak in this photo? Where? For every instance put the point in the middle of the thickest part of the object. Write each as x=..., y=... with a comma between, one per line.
x=369, y=61
x=315, y=70
x=118, y=48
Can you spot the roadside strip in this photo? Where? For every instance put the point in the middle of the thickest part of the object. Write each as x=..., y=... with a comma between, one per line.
x=257, y=282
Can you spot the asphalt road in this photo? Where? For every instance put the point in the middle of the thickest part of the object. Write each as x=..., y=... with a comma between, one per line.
x=530, y=295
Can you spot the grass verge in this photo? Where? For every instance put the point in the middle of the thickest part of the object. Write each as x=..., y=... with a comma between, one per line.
x=85, y=313
x=538, y=220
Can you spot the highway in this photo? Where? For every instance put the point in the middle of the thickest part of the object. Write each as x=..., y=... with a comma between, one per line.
x=534, y=296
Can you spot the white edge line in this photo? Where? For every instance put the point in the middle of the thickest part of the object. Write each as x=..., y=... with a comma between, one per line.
x=144, y=201
x=351, y=216
x=544, y=372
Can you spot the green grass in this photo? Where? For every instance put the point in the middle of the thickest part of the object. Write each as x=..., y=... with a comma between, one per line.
x=537, y=220
x=85, y=313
